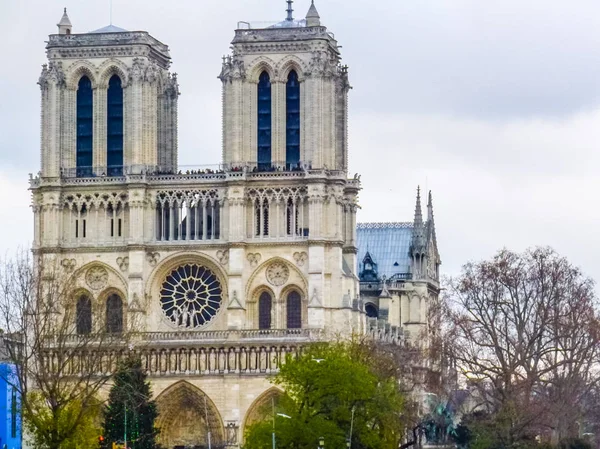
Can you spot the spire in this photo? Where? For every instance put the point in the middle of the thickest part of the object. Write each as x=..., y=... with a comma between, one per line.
x=430, y=208
x=290, y=11
x=418, y=237
x=312, y=17
x=418, y=212
x=64, y=26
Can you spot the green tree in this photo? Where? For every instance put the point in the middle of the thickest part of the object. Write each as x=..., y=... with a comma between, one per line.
x=39, y=419
x=130, y=411
x=323, y=386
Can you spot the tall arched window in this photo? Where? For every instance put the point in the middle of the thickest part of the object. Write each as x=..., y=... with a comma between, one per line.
x=85, y=129
x=294, y=310
x=264, y=311
x=114, y=128
x=292, y=126
x=114, y=314
x=264, y=122
x=83, y=318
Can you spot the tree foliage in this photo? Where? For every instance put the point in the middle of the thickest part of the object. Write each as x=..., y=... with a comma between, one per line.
x=322, y=387
x=40, y=419
x=526, y=336
x=130, y=411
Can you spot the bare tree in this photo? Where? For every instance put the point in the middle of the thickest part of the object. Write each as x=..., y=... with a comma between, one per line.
x=61, y=360
x=525, y=333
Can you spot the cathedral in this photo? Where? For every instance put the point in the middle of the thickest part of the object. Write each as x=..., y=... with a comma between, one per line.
x=218, y=274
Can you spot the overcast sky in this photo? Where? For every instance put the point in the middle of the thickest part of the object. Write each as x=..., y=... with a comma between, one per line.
x=495, y=106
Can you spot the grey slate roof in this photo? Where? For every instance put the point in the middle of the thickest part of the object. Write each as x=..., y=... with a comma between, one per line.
x=387, y=243
x=109, y=29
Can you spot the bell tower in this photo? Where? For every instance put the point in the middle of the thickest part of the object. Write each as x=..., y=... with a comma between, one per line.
x=285, y=96
x=109, y=103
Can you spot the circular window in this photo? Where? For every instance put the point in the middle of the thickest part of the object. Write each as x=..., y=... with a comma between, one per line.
x=191, y=296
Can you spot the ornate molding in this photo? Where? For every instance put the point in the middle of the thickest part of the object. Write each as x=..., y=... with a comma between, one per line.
x=123, y=263
x=254, y=259
x=223, y=256
x=96, y=277
x=152, y=258
x=277, y=274
x=300, y=258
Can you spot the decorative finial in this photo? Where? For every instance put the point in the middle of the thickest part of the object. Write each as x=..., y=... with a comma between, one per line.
x=312, y=17
x=290, y=11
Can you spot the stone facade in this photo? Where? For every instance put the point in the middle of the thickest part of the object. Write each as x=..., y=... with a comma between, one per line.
x=221, y=273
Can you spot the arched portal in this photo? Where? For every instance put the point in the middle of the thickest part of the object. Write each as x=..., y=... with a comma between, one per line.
x=186, y=414
x=262, y=408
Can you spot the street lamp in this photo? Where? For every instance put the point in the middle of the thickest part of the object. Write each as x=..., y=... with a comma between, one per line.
x=348, y=443
x=321, y=443
x=283, y=415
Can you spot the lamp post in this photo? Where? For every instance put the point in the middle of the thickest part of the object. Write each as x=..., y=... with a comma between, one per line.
x=321, y=443
x=283, y=415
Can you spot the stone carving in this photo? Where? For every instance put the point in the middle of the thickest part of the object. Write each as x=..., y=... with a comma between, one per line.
x=223, y=256
x=137, y=69
x=136, y=305
x=52, y=73
x=123, y=263
x=254, y=259
x=232, y=433
x=152, y=72
x=278, y=274
x=235, y=302
x=300, y=258
x=153, y=258
x=96, y=277
x=172, y=86
x=68, y=265
x=233, y=68
x=314, y=299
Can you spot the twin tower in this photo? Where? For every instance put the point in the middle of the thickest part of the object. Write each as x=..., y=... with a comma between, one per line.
x=220, y=273
x=109, y=102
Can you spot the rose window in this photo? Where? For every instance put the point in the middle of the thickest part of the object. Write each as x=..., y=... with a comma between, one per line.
x=191, y=296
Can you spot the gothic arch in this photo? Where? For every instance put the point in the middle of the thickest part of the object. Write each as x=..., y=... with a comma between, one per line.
x=261, y=407
x=296, y=276
x=186, y=414
x=252, y=306
x=289, y=63
x=260, y=64
x=109, y=68
x=283, y=304
x=79, y=69
x=114, y=280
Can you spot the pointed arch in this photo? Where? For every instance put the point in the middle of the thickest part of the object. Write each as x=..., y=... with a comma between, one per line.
x=114, y=314
x=262, y=407
x=83, y=314
x=264, y=121
x=85, y=126
x=259, y=65
x=297, y=278
x=186, y=414
x=79, y=69
x=292, y=120
x=110, y=68
x=289, y=63
x=114, y=126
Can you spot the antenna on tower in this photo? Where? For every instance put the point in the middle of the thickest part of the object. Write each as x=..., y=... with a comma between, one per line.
x=290, y=11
